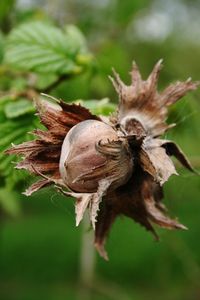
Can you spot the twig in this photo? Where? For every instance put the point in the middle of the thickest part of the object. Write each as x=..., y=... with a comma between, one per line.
x=55, y=83
x=87, y=259
x=33, y=93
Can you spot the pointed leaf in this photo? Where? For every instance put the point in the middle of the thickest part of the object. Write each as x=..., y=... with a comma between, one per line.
x=41, y=47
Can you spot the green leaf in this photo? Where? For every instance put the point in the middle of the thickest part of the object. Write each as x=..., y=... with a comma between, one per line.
x=44, y=48
x=18, y=108
x=44, y=80
x=99, y=107
x=78, y=42
x=16, y=120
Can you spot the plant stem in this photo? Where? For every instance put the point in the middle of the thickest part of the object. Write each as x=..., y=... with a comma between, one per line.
x=87, y=258
x=56, y=83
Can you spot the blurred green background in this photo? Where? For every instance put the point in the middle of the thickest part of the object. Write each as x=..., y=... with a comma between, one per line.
x=42, y=254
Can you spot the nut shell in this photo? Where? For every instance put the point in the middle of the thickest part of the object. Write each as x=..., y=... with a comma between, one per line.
x=82, y=165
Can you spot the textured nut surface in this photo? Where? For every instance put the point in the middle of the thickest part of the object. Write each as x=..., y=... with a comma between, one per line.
x=79, y=155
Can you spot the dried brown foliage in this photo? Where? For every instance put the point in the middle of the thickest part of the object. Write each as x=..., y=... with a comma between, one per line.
x=113, y=166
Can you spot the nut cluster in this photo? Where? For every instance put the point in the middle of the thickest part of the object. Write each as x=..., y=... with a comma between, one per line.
x=112, y=166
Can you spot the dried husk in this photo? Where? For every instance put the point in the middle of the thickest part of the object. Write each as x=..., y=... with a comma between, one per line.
x=117, y=169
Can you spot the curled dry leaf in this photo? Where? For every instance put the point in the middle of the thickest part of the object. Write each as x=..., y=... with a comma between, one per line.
x=112, y=166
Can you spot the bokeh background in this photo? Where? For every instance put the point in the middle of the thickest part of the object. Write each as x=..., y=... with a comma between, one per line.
x=42, y=254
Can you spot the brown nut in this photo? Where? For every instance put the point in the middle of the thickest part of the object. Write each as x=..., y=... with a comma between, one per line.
x=92, y=151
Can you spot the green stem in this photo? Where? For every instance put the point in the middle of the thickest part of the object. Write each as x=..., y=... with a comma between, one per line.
x=87, y=258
